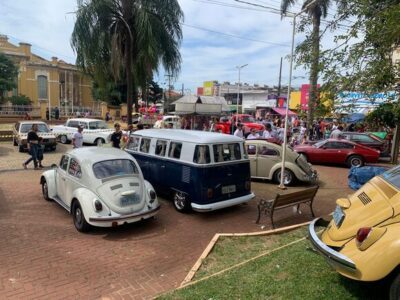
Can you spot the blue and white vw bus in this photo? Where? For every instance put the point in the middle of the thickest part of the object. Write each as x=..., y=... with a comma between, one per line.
x=203, y=170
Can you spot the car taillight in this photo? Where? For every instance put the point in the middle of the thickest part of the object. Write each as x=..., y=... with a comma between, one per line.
x=362, y=234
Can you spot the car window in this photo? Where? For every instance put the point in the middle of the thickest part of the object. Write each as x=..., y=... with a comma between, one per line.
x=74, y=168
x=64, y=162
x=363, y=138
x=175, y=150
x=267, y=150
x=393, y=176
x=226, y=152
x=98, y=125
x=202, y=154
x=133, y=143
x=161, y=147
x=340, y=145
x=145, y=145
x=41, y=128
x=115, y=167
x=84, y=125
x=74, y=124
x=251, y=149
x=330, y=145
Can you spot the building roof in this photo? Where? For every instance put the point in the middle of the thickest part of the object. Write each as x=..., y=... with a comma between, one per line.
x=192, y=99
x=192, y=136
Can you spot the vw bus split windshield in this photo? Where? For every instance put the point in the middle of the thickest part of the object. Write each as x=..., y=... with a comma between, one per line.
x=393, y=176
x=115, y=167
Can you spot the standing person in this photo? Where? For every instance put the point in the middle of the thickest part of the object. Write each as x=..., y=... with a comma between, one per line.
x=33, y=147
x=108, y=116
x=56, y=113
x=253, y=134
x=337, y=132
x=116, y=136
x=47, y=114
x=77, y=138
x=239, y=131
x=268, y=134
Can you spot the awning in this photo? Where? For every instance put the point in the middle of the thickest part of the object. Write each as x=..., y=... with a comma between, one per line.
x=282, y=112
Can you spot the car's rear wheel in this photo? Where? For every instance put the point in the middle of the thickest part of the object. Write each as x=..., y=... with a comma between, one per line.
x=288, y=177
x=45, y=190
x=21, y=148
x=394, y=292
x=99, y=142
x=63, y=139
x=79, y=218
x=355, y=161
x=182, y=202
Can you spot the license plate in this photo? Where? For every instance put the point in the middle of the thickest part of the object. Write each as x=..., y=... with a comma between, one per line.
x=228, y=189
x=129, y=200
x=338, y=216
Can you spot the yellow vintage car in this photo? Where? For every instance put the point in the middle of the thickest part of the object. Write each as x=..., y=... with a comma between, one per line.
x=362, y=241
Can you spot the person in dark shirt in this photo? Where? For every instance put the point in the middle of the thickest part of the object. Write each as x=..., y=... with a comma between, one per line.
x=34, y=149
x=116, y=136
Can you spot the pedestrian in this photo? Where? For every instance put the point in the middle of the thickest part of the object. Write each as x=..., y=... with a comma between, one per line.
x=253, y=134
x=239, y=131
x=108, y=116
x=47, y=114
x=170, y=125
x=337, y=132
x=33, y=141
x=267, y=133
x=77, y=138
x=116, y=136
x=56, y=113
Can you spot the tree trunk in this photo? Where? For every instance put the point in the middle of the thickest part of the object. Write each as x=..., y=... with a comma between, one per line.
x=314, y=70
x=395, y=145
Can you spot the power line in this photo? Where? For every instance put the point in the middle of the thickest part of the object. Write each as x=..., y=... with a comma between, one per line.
x=234, y=36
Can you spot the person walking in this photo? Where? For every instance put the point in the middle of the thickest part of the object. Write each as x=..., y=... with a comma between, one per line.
x=116, y=136
x=337, y=132
x=77, y=138
x=253, y=135
x=33, y=141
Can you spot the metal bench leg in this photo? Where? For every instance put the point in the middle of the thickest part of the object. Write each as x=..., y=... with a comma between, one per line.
x=259, y=214
x=312, y=211
x=272, y=219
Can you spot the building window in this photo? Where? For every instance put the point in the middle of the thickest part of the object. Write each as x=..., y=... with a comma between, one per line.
x=42, y=87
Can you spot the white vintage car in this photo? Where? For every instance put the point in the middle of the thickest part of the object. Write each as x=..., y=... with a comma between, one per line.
x=94, y=131
x=20, y=135
x=101, y=187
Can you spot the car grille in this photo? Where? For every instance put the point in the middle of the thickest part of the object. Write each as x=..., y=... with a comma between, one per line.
x=364, y=198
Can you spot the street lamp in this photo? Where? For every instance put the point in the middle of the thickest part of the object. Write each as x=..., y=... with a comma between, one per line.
x=238, y=93
x=284, y=145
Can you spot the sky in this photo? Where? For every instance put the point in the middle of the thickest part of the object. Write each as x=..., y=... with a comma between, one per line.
x=218, y=35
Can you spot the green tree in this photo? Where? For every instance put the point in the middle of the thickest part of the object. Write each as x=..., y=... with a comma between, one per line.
x=316, y=11
x=129, y=39
x=20, y=100
x=8, y=75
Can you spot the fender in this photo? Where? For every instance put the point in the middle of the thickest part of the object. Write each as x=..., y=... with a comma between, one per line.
x=289, y=165
x=148, y=188
x=50, y=177
x=86, y=199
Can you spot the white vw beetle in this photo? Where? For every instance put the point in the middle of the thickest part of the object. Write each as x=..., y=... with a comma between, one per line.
x=101, y=187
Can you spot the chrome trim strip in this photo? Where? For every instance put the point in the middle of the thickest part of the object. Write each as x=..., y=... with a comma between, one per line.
x=329, y=253
x=110, y=219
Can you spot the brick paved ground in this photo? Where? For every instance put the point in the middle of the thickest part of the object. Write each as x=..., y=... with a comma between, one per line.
x=44, y=257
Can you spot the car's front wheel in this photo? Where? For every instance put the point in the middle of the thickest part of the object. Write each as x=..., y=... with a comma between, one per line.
x=182, y=202
x=355, y=161
x=394, y=293
x=288, y=177
x=45, y=190
x=99, y=142
x=63, y=139
x=79, y=218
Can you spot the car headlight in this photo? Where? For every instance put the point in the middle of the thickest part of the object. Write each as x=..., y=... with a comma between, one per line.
x=97, y=205
x=152, y=195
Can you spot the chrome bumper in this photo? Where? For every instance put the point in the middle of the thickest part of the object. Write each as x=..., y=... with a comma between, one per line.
x=333, y=257
x=222, y=204
x=124, y=217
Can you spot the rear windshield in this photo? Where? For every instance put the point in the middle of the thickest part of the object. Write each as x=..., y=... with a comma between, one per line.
x=115, y=167
x=226, y=152
x=393, y=176
x=41, y=128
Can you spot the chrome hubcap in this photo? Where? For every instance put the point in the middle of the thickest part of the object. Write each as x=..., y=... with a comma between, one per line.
x=180, y=200
x=78, y=215
x=45, y=189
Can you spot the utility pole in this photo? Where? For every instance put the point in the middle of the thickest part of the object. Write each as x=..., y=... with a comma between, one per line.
x=279, y=84
x=169, y=91
x=183, y=89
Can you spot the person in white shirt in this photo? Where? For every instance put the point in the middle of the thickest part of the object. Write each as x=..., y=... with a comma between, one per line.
x=253, y=135
x=239, y=131
x=337, y=132
x=268, y=134
x=77, y=138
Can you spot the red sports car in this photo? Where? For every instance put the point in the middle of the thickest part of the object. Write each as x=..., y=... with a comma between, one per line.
x=338, y=152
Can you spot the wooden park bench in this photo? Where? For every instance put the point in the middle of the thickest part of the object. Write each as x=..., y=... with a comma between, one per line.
x=286, y=200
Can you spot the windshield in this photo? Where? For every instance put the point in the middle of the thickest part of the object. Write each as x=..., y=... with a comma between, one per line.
x=41, y=128
x=98, y=125
x=319, y=144
x=115, y=167
x=393, y=176
x=248, y=119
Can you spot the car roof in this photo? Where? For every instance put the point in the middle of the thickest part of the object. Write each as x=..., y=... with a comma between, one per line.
x=32, y=122
x=342, y=140
x=189, y=135
x=96, y=154
x=84, y=120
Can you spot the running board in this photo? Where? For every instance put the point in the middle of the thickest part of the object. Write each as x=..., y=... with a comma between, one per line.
x=63, y=205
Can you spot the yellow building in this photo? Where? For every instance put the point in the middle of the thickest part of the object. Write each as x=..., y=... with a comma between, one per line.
x=43, y=81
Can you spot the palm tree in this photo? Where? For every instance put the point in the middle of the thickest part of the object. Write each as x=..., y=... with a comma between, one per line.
x=316, y=11
x=129, y=39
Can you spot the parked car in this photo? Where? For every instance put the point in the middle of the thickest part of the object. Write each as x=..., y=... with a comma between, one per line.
x=20, y=135
x=266, y=161
x=338, y=151
x=101, y=187
x=225, y=124
x=94, y=131
x=174, y=120
x=361, y=241
x=369, y=140
x=203, y=171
